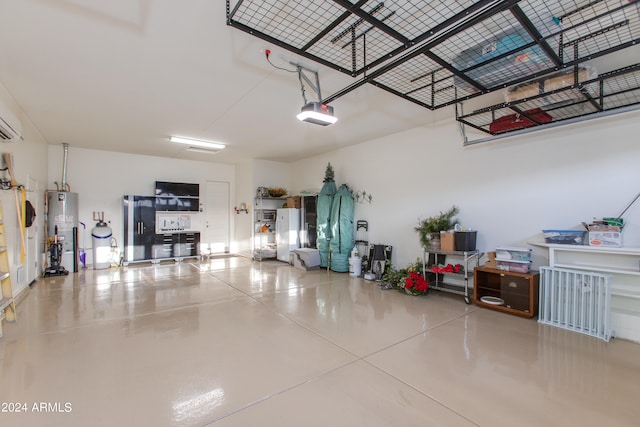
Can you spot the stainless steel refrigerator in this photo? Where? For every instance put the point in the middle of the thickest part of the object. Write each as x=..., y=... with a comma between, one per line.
x=287, y=233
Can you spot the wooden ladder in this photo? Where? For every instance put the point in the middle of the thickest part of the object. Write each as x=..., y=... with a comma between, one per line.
x=7, y=303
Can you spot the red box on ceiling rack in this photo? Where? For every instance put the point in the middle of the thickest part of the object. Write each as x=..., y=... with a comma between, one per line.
x=519, y=121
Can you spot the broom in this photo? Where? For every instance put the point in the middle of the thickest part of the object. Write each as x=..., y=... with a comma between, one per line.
x=14, y=185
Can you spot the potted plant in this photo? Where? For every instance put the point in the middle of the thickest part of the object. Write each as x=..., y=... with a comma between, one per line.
x=429, y=228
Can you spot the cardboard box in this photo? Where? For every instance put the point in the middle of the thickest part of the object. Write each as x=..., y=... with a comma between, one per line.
x=491, y=262
x=553, y=82
x=523, y=91
x=447, y=241
x=566, y=79
x=605, y=235
x=293, y=202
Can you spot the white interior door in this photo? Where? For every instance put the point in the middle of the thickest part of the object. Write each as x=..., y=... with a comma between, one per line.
x=31, y=241
x=28, y=272
x=217, y=229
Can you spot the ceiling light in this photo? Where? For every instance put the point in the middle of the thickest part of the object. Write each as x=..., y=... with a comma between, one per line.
x=317, y=113
x=202, y=150
x=198, y=142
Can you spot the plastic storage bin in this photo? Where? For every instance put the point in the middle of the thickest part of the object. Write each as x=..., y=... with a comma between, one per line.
x=307, y=258
x=565, y=237
x=513, y=253
x=514, y=266
x=501, y=56
x=465, y=241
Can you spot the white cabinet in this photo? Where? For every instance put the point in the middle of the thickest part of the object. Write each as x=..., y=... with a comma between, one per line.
x=287, y=232
x=622, y=264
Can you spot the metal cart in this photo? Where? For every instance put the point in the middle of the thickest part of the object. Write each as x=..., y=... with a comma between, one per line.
x=450, y=281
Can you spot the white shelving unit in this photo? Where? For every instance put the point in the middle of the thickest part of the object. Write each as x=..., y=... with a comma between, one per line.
x=265, y=213
x=460, y=283
x=622, y=264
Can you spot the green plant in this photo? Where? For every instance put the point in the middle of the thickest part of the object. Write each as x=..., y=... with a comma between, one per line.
x=409, y=280
x=276, y=191
x=435, y=224
x=392, y=277
x=328, y=173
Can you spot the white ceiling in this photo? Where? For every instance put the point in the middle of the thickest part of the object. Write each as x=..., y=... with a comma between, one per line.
x=125, y=75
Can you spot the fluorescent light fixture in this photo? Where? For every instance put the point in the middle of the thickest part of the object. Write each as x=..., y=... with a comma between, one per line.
x=317, y=113
x=198, y=142
x=202, y=150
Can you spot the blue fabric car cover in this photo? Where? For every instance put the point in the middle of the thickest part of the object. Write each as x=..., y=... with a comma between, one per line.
x=341, y=229
x=323, y=212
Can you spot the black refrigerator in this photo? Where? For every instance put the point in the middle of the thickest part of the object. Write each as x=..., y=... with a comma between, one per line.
x=308, y=221
x=139, y=227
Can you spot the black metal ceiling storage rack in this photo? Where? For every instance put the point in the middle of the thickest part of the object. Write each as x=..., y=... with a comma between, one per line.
x=607, y=92
x=437, y=53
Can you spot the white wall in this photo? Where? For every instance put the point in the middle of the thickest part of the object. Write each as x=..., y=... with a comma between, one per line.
x=30, y=168
x=245, y=190
x=268, y=173
x=101, y=178
x=509, y=190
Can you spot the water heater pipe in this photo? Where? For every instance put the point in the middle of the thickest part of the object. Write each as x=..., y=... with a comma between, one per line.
x=65, y=147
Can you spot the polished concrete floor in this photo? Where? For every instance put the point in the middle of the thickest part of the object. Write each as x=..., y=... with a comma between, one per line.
x=231, y=342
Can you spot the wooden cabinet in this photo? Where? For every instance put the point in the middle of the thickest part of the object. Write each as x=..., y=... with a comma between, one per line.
x=510, y=292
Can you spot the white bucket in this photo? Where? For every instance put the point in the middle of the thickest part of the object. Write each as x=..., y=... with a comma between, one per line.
x=355, y=266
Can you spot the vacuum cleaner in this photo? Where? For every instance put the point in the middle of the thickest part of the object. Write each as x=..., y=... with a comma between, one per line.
x=55, y=258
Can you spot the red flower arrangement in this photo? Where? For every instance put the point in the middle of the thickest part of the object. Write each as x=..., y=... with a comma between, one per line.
x=415, y=284
x=408, y=280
